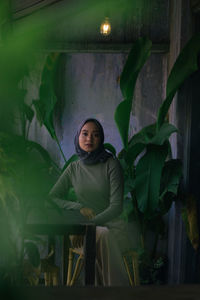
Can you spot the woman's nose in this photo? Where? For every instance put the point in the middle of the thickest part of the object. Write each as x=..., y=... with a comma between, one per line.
x=90, y=137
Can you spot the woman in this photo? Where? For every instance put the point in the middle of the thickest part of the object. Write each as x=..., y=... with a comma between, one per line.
x=98, y=183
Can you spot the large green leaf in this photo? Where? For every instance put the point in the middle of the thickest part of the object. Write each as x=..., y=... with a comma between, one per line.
x=163, y=134
x=74, y=157
x=33, y=146
x=171, y=175
x=26, y=172
x=138, y=143
x=42, y=154
x=148, y=176
x=184, y=66
x=146, y=136
x=110, y=148
x=133, y=153
x=135, y=61
x=122, y=119
x=46, y=104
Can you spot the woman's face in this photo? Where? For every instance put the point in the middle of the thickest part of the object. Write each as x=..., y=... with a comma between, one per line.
x=89, y=138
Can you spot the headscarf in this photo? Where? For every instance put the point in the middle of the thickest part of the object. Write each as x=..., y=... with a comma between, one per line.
x=98, y=155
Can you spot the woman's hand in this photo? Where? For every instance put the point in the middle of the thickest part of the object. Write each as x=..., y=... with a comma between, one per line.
x=76, y=240
x=87, y=212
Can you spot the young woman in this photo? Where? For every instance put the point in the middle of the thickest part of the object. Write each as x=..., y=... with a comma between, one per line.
x=98, y=183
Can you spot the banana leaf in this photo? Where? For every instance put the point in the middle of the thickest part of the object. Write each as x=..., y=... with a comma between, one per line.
x=146, y=136
x=133, y=153
x=163, y=134
x=53, y=167
x=74, y=157
x=171, y=175
x=135, y=61
x=110, y=148
x=184, y=66
x=48, y=99
x=148, y=177
x=27, y=174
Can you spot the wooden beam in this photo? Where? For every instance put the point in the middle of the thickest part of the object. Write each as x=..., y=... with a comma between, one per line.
x=32, y=8
x=99, y=47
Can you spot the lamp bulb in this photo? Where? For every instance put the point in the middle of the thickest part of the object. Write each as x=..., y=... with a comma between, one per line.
x=105, y=27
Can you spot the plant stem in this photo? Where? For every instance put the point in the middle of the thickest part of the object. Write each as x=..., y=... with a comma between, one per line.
x=23, y=124
x=155, y=246
x=57, y=141
x=27, y=131
x=139, y=221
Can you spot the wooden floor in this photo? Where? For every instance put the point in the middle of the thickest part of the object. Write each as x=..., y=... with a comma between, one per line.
x=178, y=292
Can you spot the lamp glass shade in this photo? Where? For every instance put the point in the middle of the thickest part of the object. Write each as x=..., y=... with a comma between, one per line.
x=105, y=27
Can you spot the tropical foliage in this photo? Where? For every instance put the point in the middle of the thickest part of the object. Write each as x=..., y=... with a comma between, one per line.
x=151, y=177
x=27, y=170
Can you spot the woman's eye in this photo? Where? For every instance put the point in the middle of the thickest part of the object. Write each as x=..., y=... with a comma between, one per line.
x=96, y=135
x=84, y=133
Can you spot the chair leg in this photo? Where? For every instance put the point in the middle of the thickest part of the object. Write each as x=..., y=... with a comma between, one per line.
x=47, y=278
x=77, y=270
x=128, y=271
x=55, y=279
x=78, y=266
x=135, y=268
x=70, y=263
x=136, y=278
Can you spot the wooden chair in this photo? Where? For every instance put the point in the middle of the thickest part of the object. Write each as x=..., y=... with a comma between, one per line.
x=72, y=275
x=51, y=271
x=51, y=274
x=31, y=274
x=130, y=259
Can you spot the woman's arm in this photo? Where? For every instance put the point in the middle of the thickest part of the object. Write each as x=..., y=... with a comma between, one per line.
x=60, y=190
x=116, y=194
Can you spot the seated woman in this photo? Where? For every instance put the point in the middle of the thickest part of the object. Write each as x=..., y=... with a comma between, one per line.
x=98, y=183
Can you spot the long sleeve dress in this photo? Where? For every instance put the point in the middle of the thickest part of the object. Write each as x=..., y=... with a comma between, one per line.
x=99, y=187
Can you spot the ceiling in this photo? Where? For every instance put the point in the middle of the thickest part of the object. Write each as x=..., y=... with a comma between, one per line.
x=130, y=19
x=23, y=7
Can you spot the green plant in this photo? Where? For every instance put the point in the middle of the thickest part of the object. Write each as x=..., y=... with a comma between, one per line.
x=151, y=177
x=27, y=171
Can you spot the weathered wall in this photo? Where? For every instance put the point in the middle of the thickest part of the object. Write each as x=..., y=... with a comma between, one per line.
x=91, y=89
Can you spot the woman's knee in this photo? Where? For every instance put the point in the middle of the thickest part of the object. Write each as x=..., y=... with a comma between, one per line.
x=102, y=233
